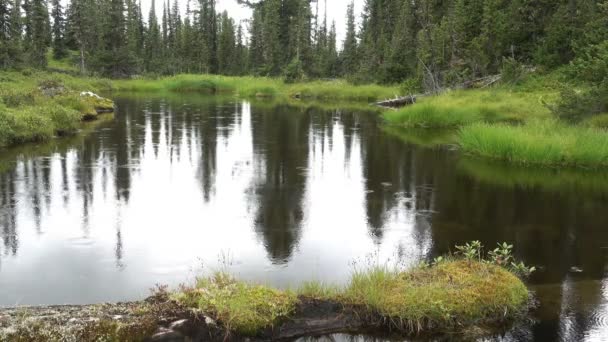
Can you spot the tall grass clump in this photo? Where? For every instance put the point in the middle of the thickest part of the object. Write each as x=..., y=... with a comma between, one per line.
x=546, y=143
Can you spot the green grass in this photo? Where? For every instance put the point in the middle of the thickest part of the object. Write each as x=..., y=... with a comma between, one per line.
x=261, y=87
x=543, y=143
x=444, y=297
x=465, y=107
x=28, y=114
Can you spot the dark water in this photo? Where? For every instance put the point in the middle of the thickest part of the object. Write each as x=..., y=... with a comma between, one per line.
x=173, y=187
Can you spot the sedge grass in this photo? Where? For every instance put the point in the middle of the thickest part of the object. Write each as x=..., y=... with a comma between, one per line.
x=542, y=143
x=464, y=107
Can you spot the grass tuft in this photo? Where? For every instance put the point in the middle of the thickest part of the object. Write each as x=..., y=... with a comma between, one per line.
x=240, y=307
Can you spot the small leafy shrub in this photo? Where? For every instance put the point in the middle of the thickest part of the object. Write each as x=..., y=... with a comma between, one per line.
x=18, y=97
x=294, y=71
x=65, y=120
x=470, y=250
x=410, y=86
x=575, y=106
x=511, y=70
x=598, y=121
x=501, y=256
x=24, y=126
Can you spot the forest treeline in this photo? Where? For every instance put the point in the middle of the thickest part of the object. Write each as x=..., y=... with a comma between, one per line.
x=427, y=42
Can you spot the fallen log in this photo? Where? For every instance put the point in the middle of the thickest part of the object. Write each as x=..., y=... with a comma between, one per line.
x=398, y=101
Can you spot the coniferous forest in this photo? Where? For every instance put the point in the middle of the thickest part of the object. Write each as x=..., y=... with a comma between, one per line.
x=430, y=42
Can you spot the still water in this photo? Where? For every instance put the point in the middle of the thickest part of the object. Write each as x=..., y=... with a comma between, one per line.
x=173, y=187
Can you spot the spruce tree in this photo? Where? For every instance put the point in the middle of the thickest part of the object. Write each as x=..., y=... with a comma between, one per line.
x=5, y=34
x=226, y=46
x=37, y=31
x=153, y=53
x=15, y=43
x=349, y=57
x=59, y=46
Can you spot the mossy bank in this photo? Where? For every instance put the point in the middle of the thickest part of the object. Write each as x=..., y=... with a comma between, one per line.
x=37, y=106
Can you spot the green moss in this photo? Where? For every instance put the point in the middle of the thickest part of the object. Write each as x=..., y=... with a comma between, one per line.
x=241, y=307
x=447, y=295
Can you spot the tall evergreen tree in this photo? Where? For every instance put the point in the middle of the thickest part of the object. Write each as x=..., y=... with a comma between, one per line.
x=15, y=43
x=59, y=45
x=349, y=57
x=37, y=32
x=153, y=43
x=227, y=45
x=5, y=33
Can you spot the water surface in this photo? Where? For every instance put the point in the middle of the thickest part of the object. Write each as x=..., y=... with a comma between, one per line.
x=177, y=186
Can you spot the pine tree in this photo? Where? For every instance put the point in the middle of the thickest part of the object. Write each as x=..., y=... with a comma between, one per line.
x=15, y=43
x=83, y=30
x=5, y=34
x=59, y=46
x=37, y=32
x=114, y=58
x=349, y=57
x=226, y=46
x=257, y=52
x=153, y=43
x=241, y=58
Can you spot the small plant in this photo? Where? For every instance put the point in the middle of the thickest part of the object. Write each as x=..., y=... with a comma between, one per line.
x=294, y=72
x=438, y=260
x=521, y=269
x=511, y=71
x=471, y=250
x=502, y=255
x=410, y=86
